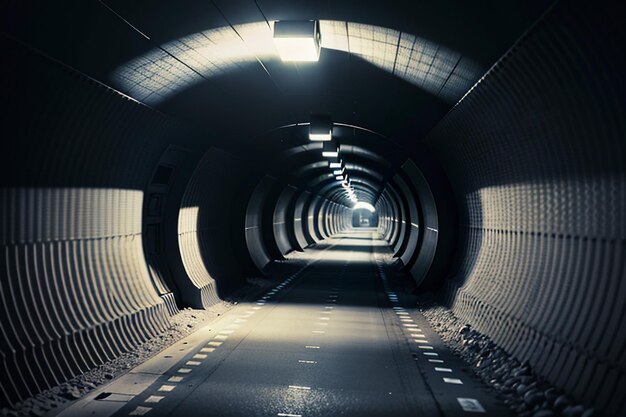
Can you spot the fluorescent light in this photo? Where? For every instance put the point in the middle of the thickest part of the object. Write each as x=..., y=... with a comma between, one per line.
x=339, y=177
x=320, y=128
x=297, y=40
x=330, y=150
x=335, y=164
x=338, y=172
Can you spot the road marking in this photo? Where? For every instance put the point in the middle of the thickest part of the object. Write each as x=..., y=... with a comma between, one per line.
x=455, y=381
x=424, y=341
x=227, y=332
x=305, y=361
x=192, y=363
x=154, y=398
x=435, y=361
x=311, y=347
x=139, y=411
x=426, y=347
x=214, y=343
x=418, y=335
x=431, y=354
x=288, y=415
x=256, y=308
x=299, y=387
x=319, y=331
x=324, y=318
x=471, y=405
x=199, y=356
x=220, y=337
x=443, y=369
x=409, y=325
x=184, y=370
x=175, y=379
x=167, y=388
x=207, y=350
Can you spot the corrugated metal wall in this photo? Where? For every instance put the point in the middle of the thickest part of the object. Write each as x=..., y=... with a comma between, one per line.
x=74, y=285
x=536, y=154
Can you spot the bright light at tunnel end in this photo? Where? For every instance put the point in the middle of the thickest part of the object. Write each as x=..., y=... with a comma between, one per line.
x=364, y=205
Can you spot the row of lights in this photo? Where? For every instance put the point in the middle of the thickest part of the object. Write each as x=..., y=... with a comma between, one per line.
x=300, y=41
x=321, y=130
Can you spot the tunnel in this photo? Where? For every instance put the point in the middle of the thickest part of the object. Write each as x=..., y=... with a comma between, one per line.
x=311, y=208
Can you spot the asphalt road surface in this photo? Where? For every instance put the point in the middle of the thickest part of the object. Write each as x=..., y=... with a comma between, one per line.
x=334, y=339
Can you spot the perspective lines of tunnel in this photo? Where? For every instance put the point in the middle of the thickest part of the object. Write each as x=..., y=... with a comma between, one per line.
x=313, y=208
x=332, y=339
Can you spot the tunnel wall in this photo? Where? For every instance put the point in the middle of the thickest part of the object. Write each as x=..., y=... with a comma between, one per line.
x=283, y=223
x=537, y=159
x=300, y=223
x=254, y=225
x=74, y=284
x=205, y=240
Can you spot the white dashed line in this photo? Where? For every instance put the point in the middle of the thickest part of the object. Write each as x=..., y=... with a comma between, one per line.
x=305, y=361
x=199, y=356
x=139, y=411
x=207, y=350
x=220, y=337
x=435, y=361
x=214, y=343
x=175, y=379
x=288, y=415
x=426, y=347
x=299, y=387
x=311, y=347
x=154, y=398
x=421, y=341
x=443, y=369
x=192, y=363
x=431, y=354
x=184, y=370
x=167, y=388
x=471, y=405
x=455, y=381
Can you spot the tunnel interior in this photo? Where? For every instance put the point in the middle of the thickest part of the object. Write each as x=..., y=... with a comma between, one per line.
x=158, y=158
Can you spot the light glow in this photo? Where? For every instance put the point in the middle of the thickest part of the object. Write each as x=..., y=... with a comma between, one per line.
x=330, y=154
x=320, y=136
x=335, y=164
x=364, y=205
x=297, y=41
x=320, y=128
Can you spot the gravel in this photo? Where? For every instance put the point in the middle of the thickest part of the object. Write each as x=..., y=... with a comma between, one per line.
x=182, y=325
x=524, y=392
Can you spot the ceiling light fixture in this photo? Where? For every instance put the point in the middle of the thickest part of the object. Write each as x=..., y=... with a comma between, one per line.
x=320, y=128
x=330, y=150
x=335, y=164
x=298, y=40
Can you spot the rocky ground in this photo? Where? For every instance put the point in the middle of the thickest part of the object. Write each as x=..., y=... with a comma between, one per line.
x=526, y=393
x=183, y=324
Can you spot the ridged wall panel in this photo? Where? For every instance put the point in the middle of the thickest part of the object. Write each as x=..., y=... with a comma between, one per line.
x=537, y=158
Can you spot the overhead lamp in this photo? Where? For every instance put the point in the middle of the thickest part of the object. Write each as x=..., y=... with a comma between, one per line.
x=330, y=150
x=335, y=164
x=298, y=40
x=339, y=177
x=320, y=127
x=339, y=171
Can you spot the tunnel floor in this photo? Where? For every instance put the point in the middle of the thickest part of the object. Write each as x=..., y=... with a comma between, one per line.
x=332, y=339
